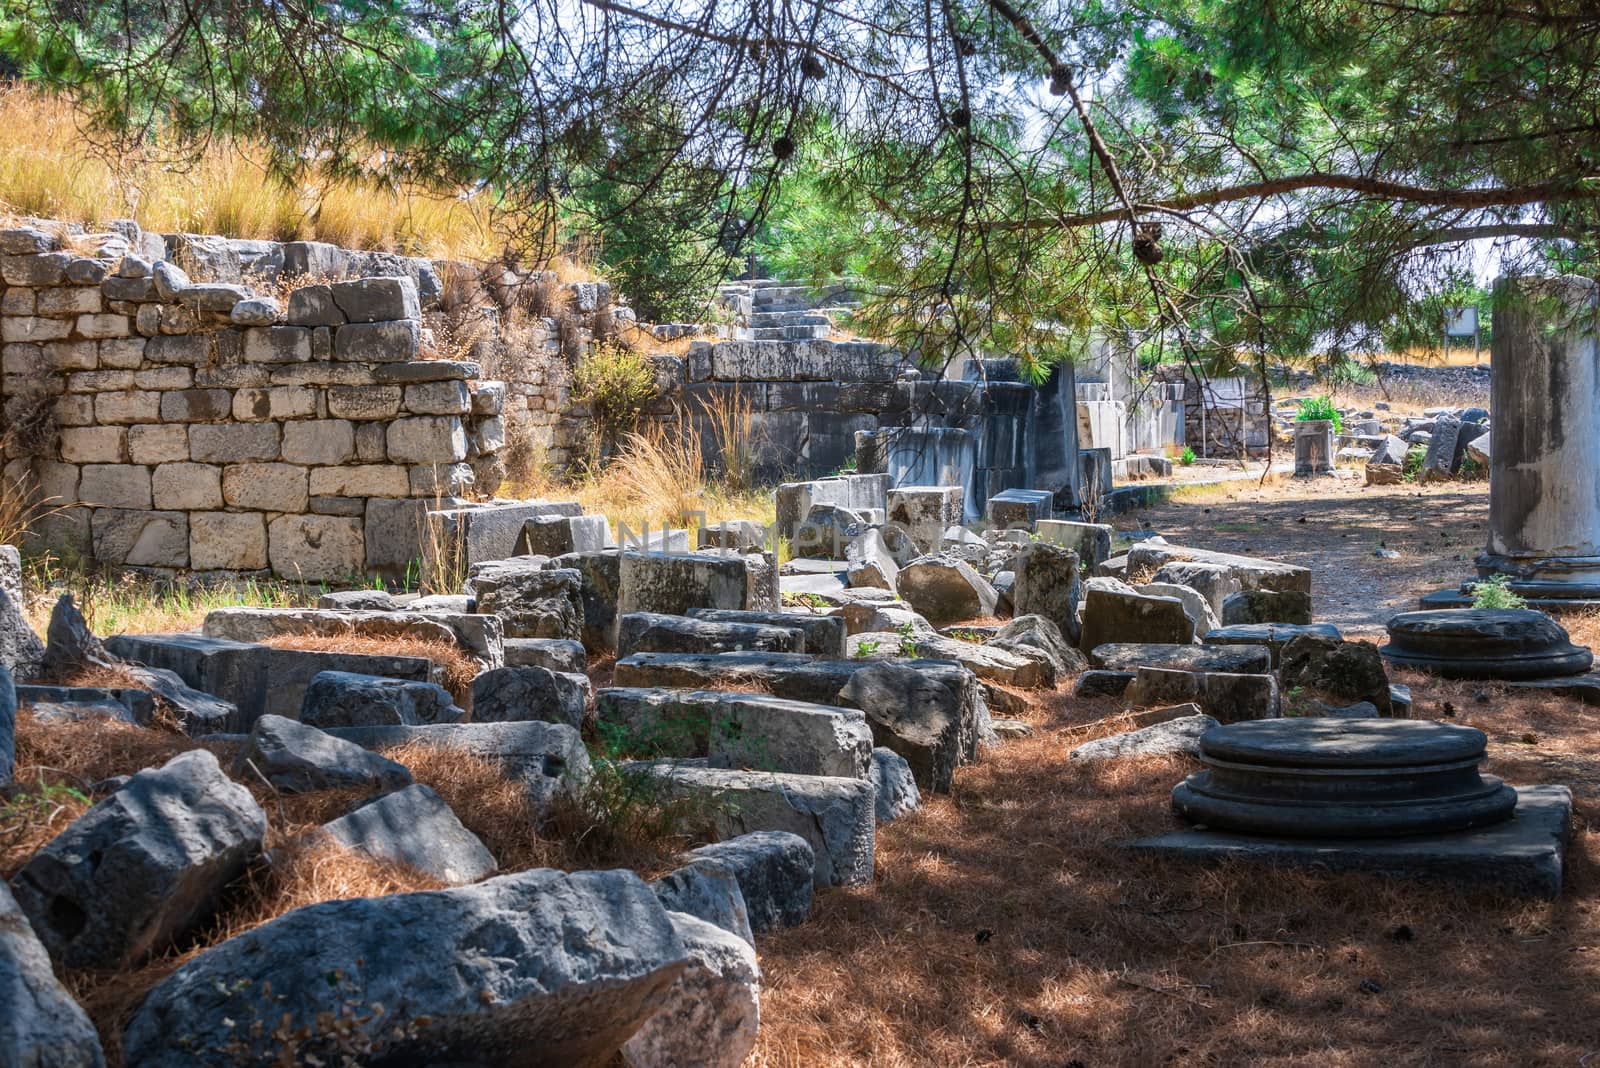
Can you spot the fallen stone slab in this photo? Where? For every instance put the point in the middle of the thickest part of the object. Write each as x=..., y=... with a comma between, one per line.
x=509, y=695
x=989, y=662
x=1098, y=683
x=739, y=730
x=532, y=602
x=554, y=654
x=674, y=583
x=928, y=711
x=256, y=679
x=834, y=815
x=652, y=632
x=599, y=589
x=873, y=616
x=821, y=635
x=1214, y=582
x=1234, y=659
x=1524, y=855
x=415, y=827
x=1267, y=606
x=1252, y=572
x=1115, y=612
x=1336, y=671
x=1045, y=582
x=712, y=1014
x=553, y=535
x=478, y=634
x=42, y=1027
x=1272, y=635
x=137, y=706
x=1038, y=638
x=1201, y=614
x=297, y=758
x=345, y=699
x=519, y=990
x=549, y=758
x=21, y=651
x=871, y=564
x=712, y=894
x=1180, y=735
x=945, y=589
x=143, y=866
x=359, y=601
x=774, y=872
x=895, y=786
x=1091, y=541
x=1227, y=697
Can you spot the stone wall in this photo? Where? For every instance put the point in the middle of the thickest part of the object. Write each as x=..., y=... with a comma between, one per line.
x=188, y=423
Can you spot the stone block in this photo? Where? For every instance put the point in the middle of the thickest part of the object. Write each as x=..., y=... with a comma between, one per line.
x=72, y=355
x=1267, y=606
x=599, y=590
x=282, y=402
x=427, y=439
x=319, y=441
x=256, y=311
x=196, y=406
x=277, y=344
x=20, y=329
x=1228, y=697
x=674, y=583
x=508, y=694
x=1019, y=509
x=364, y=402
x=94, y=445
x=650, y=632
x=265, y=487
x=114, y=485
x=438, y=480
x=773, y=870
x=371, y=443
x=438, y=398
x=44, y=1027
x=360, y=480
x=945, y=589
x=425, y=371
x=316, y=547
x=820, y=635
x=120, y=352
x=127, y=406
x=1115, y=612
x=70, y=301
x=1272, y=635
x=414, y=827
x=377, y=300
x=181, y=349
x=27, y=240
x=1252, y=572
x=140, y=538
x=553, y=654
x=187, y=487
x=1091, y=541
x=233, y=443
x=216, y=298
x=164, y=378
x=227, y=541
x=1045, y=582
x=925, y=508
x=555, y=535
x=1233, y=659
x=531, y=601
x=99, y=326
x=314, y=305
x=389, y=342
x=350, y=699
x=297, y=758
x=39, y=269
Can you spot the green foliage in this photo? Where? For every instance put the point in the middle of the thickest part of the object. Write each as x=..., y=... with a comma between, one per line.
x=1411, y=470
x=966, y=634
x=908, y=639
x=1496, y=592
x=616, y=382
x=866, y=647
x=1187, y=457
x=1319, y=408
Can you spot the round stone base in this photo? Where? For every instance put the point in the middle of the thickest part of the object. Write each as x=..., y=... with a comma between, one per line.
x=1513, y=644
x=1337, y=778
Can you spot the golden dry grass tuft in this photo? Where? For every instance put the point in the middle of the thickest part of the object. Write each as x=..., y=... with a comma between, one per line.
x=458, y=669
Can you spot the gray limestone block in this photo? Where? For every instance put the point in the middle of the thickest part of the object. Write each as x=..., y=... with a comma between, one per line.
x=414, y=827
x=555, y=654
x=653, y=632
x=518, y=990
x=8, y=726
x=297, y=758
x=1098, y=683
x=774, y=873
x=1267, y=606
x=532, y=601
x=21, y=651
x=1130, y=656
x=1181, y=735
x=712, y=1014
x=1115, y=612
x=710, y=893
x=348, y=699
x=820, y=635
x=142, y=866
x=515, y=694
x=945, y=588
x=896, y=788
x=41, y=1027
x=375, y=300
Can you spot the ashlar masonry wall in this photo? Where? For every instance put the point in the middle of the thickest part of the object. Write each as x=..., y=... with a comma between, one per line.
x=185, y=425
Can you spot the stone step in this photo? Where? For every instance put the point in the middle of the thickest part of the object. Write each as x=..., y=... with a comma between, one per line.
x=760, y=319
x=835, y=816
x=786, y=333
x=656, y=632
x=821, y=635
x=929, y=711
x=738, y=730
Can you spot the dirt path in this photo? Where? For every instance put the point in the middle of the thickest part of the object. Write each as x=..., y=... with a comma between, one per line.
x=1333, y=526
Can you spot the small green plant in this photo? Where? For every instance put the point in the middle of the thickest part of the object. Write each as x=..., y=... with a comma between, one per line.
x=792, y=599
x=1496, y=592
x=1187, y=456
x=966, y=634
x=1314, y=408
x=866, y=647
x=908, y=639
x=1411, y=470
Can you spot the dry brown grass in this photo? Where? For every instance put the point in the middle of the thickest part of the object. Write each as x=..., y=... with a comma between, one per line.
x=459, y=669
x=492, y=806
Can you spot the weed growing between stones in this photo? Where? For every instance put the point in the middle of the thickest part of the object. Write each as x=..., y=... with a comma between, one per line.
x=1496, y=592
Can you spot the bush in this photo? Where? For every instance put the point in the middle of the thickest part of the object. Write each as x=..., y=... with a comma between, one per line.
x=1186, y=457
x=1496, y=592
x=1320, y=408
x=616, y=382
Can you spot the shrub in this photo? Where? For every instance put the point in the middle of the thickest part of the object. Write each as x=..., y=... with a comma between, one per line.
x=1412, y=468
x=616, y=382
x=1186, y=457
x=1320, y=408
x=1496, y=592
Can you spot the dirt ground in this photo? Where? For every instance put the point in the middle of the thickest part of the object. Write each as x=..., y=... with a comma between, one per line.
x=1008, y=925
x=1334, y=526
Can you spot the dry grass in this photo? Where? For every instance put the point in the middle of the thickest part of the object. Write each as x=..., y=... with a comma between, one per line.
x=1007, y=926
x=458, y=668
x=126, y=603
x=48, y=170
x=663, y=466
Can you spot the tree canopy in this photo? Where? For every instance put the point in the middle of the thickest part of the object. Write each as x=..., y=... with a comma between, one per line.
x=1239, y=176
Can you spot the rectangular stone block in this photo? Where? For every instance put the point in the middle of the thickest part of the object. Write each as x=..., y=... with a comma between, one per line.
x=233, y=376
x=283, y=402
x=321, y=373
x=138, y=290
x=16, y=300
x=185, y=349
x=1091, y=541
x=74, y=409
x=227, y=541
x=356, y=506
x=375, y=300
x=121, y=352
x=69, y=301
x=16, y=328
x=187, y=487
x=72, y=355
x=140, y=538
x=319, y=441
x=277, y=344
x=40, y=269
x=196, y=406
x=316, y=548
x=427, y=439
x=1019, y=509
x=115, y=485
x=360, y=480
x=156, y=443
x=94, y=445
x=233, y=443
x=20, y=358
x=438, y=398
x=99, y=381
x=395, y=342
x=364, y=402
x=99, y=326
x=372, y=442
x=313, y=305
x=265, y=487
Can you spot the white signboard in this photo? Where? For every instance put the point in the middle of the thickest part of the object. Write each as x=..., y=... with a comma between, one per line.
x=1461, y=322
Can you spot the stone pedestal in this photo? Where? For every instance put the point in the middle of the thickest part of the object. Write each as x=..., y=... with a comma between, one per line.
x=1511, y=644
x=1544, y=484
x=1313, y=448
